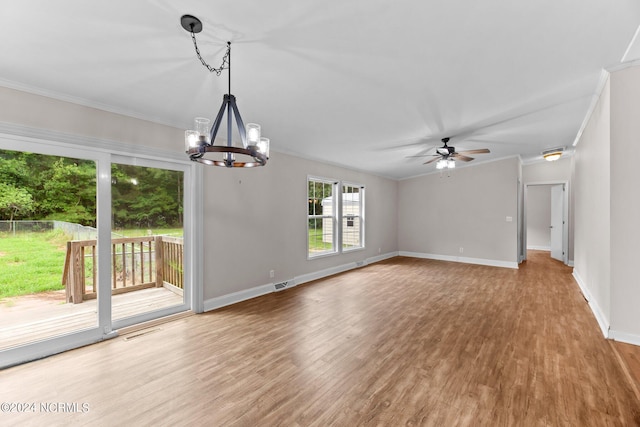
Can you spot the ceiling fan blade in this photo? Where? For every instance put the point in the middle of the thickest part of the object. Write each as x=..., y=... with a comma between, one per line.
x=459, y=156
x=477, y=151
x=420, y=155
x=432, y=160
x=423, y=153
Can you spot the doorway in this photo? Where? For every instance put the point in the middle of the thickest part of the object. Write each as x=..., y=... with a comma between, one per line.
x=546, y=219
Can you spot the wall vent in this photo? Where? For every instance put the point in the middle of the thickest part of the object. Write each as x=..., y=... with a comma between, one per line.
x=359, y=263
x=284, y=285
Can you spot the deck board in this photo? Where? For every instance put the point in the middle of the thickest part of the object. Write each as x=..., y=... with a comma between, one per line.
x=33, y=317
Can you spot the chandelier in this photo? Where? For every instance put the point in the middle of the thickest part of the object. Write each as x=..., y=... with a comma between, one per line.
x=200, y=141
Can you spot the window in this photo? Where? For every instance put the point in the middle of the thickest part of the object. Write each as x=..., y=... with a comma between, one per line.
x=352, y=216
x=322, y=217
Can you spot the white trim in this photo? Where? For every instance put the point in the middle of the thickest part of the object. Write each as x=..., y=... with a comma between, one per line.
x=570, y=263
x=309, y=277
x=465, y=260
x=382, y=257
x=625, y=337
x=236, y=297
x=20, y=132
x=631, y=43
x=595, y=308
x=539, y=248
x=602, y=81
x=623, y=66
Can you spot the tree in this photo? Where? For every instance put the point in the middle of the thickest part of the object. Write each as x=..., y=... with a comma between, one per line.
x=70, y=192
x=14, y=201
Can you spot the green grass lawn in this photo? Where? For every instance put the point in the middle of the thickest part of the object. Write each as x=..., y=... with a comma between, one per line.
x=315, y=241
x=31, y=262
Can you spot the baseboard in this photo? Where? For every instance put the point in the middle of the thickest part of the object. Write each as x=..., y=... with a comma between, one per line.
x=382, y=257
x=625, y=337
x=539, y=248
x=236, y=297
x=465, y=260
x=570, y=263
x=310, y=277
x=593, y=304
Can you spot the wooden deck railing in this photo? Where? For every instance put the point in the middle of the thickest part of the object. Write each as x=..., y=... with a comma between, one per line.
x=136, y=263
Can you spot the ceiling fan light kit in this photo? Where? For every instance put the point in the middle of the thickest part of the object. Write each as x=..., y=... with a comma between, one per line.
x=553, y=154
x=201, y=140
x=446, y=155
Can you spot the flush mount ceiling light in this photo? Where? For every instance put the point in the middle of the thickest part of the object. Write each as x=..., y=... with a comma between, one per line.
x=201, y=141
x=553, y=154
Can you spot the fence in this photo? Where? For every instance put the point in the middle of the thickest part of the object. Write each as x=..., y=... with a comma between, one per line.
x=16, y=227
x=76, y=231
x=137, y=263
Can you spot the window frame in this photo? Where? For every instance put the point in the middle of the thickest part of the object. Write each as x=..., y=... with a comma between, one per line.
x=345, y=217
x=333, y=217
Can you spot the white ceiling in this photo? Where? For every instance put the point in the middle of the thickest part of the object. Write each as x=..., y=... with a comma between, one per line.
x=360, y=83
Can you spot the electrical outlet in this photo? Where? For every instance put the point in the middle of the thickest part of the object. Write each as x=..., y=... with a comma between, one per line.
x=272, y=273
x=461, y=250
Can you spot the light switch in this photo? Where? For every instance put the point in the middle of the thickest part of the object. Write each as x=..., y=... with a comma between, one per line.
x=509, y=219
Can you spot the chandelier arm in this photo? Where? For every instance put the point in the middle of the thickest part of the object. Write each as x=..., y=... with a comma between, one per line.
x=239, y=122
x=229, y=157
x=218, y=120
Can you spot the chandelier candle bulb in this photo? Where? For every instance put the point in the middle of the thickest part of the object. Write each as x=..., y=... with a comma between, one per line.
x=253, y=134
x=202, y=127
x=191, y=139
x=263, y=146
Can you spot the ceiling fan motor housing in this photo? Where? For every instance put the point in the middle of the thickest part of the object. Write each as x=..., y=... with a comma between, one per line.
x=446, y=150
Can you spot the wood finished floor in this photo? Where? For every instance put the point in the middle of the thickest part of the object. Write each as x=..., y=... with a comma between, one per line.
x=403, y=342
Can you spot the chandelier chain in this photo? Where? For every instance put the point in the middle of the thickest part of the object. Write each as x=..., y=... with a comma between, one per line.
x=225, y=59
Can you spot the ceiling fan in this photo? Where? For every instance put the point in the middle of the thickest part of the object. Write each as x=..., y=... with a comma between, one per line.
x=447, y=153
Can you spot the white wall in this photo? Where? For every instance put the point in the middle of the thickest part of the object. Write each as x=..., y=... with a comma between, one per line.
x=625, y=204
x=591, y=186
x=539, y=217
x=254, y=220
x=439, y=214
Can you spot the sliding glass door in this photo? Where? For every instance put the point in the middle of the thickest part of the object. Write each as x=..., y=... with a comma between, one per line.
x=90, y=242
x=147, y=265
x=47, y=204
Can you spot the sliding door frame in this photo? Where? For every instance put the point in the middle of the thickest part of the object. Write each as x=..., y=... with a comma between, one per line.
x=20, y=138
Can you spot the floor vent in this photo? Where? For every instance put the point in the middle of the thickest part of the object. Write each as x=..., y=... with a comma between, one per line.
x=283, y=285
